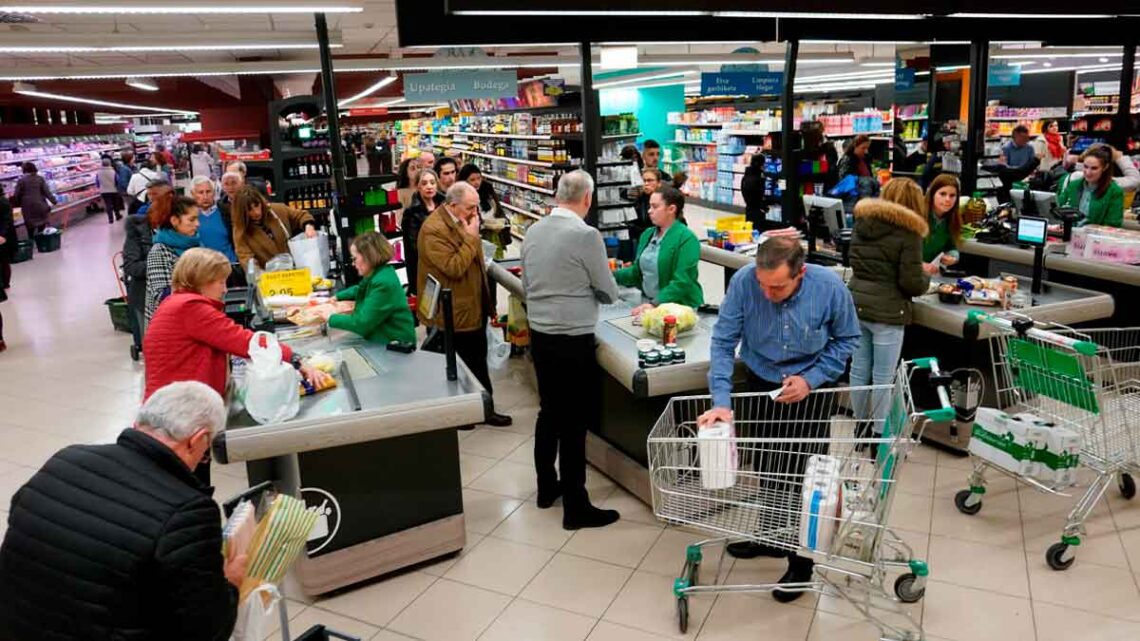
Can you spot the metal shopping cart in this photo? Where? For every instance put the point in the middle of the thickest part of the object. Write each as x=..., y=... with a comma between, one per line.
x=1085, y=382
x=804, y=478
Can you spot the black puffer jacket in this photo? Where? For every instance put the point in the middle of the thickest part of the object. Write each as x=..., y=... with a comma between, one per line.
x=136, y=248
x=886, y=258
x=114, y=543
x=410, y=223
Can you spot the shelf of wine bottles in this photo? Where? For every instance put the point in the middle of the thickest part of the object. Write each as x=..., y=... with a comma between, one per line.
x=308, y=167
x=311, y=197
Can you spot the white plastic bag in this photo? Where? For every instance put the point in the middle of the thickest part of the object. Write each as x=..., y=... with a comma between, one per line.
x=311, y=252
x=256, y=614
x=271, y=386
x=498, y=349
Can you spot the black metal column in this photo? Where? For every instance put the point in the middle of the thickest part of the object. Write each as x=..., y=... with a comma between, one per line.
x=792, y=203
x=343, y=226
x=976, y=117
x=1122, y=121
x=591, y=123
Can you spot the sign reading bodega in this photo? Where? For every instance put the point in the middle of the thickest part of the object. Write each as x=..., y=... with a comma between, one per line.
x=742, y=83
x=458, y=85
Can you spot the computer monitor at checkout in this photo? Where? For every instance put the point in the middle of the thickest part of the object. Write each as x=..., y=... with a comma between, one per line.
x=833, y=214
x=1032, y=231
x=1044, y=202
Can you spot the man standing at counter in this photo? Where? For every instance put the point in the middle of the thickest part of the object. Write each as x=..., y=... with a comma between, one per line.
x=796, y=326
x=565, y=275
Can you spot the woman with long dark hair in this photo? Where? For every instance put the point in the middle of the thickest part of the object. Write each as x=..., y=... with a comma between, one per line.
x=424, y=201
x=944, y=218
x=1094, y=192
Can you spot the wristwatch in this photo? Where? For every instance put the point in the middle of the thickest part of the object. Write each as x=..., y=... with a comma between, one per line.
x=295, y=361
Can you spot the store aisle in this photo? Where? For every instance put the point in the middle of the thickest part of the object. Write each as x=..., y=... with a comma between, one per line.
x=67, y=378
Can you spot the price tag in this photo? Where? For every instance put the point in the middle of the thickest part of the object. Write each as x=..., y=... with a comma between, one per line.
x=295, y=282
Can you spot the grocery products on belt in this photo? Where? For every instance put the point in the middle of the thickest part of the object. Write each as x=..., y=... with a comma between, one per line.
x=653, y=320
x=1027, y=445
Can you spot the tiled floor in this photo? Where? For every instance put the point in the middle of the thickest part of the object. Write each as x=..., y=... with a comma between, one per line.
x=67, y=378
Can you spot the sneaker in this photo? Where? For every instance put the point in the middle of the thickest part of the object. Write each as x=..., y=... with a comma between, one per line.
x=588, y=517
x=498, y=420
x=797, y=573
x=751, y=550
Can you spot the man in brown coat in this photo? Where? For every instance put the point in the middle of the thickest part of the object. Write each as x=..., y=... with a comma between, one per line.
x=450, y=249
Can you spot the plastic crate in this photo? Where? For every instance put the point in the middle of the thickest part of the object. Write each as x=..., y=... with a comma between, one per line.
x=23, y=251
x=47, y=243
x=119, y=311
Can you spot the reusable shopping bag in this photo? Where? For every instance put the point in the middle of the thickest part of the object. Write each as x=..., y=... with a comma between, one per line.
x=311, y=252
x=498, y=349
x=270, y=385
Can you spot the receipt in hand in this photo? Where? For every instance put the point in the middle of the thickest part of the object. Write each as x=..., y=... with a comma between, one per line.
x=774, y=394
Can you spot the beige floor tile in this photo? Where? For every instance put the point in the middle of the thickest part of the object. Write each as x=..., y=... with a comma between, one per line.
x=315, y=616
x=647, y=603
x=1087, y=586
x=499, y=565
x=952, y=612
x=440, y=566
x=12, y=480
x=490, y=443
x=911, y=512
x=524, y=453
x=832, y=627
x=450, y=611
x=484, y=511
x=1130, y=540
x=623, y=543
x=917, y=478
x=537, y=622
x=533, y=526
x=630, y=507
x=735, y=616
x=508, y=479
x=1001, y=491
x=577, y=584
x=924, y=454
x=989, y=568
x=378, y=603
x=667, y=556
x=29, y=446
x=991, y=526
x=905, y=615
x=523, y=417
x=598, y=485
x=273, y=625
x=1057, y=623
x=1101, y=544
x=388, y=635
x=606, y=631
x=945, y=459
x=472, y=466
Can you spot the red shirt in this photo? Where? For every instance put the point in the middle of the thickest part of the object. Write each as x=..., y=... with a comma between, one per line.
x=191, y=339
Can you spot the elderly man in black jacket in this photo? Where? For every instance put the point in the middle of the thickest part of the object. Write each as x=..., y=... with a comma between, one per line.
x=121, y=541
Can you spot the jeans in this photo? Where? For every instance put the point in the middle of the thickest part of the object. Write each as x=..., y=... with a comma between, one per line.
x=874, y=363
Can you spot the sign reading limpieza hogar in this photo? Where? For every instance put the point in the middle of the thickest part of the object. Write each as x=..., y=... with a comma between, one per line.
x=742, y=83
x=443, y=86
x=293, y=282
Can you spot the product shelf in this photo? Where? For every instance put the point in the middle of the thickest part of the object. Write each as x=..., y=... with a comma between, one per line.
x=63, y=155
x=513, y=183
x=511, y=136
x=517, y=161
x=524, y=212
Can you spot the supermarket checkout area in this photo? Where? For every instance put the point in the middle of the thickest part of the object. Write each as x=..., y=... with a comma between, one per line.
x=377, y=455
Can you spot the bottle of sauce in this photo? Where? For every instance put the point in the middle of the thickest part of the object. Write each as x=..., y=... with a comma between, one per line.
x=669, y=330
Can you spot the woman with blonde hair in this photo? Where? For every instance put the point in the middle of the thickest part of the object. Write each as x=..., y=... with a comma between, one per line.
x=886, y=258
x=381, y=313
x=262, y=229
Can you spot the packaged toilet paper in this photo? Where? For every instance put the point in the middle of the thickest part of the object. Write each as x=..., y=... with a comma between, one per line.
x=1006, y=441
x=820, y=508
x=718, y=457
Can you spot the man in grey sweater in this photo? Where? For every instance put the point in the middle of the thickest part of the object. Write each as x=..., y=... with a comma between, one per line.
x=565, y=275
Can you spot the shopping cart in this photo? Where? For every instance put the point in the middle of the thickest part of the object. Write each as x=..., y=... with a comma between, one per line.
x=751, y=486
x=1086, y=381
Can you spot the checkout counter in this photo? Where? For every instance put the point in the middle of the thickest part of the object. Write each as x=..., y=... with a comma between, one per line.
x=377, y=455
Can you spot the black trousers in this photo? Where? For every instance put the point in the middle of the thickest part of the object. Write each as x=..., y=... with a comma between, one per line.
x=812, y=422
x=570, y=393
x=112, y=203
x=472, y=348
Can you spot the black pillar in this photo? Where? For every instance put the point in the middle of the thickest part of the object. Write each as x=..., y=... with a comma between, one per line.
x=976, y=118
x=591, y=123
x=332, y=113
x=792, y=202
x=1122, y=121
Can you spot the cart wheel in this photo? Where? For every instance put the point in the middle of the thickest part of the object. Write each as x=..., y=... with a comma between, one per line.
x=683, y=614
x=960, y=502
x=1055, y=557
x=906, y=591
x=135, y=353
x=1127, y=486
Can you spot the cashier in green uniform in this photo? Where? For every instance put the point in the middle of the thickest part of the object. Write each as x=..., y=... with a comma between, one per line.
x=1094, y=192
x=667, y=255
x=381, y=313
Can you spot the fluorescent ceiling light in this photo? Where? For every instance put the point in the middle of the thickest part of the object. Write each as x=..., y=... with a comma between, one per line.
x=389, y=103
x=33, y=42
x=641, y=78
x=952, y=68
x=812, y=15
x=146, y=84
x=167, y=47
x=1050, y=56
x=882, y=73
x=30, y=90
x=1032, y=16
x=183, y=8
x=587, y=12
x=623, y=57
x=877, y=64
x=384, y=82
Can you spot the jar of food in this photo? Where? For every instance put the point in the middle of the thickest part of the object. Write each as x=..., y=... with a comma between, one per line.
x=669, y=330
x=678, y=355
x=666, y=356
x=652, y=359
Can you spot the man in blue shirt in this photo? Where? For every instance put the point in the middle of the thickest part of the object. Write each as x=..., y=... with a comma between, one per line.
x=1018, y=153
x=214, y=230
x=797, y=327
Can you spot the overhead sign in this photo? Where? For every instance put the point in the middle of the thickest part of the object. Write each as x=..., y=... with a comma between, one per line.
x=904, y=78
x=742, y=83
x=443, y=86
x=367, y=111
x=1003, y=75
x=736, y=66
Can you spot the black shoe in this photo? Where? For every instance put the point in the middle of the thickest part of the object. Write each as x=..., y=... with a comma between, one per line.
x=465, y=428
x=587, y=517
x=547, y=499
x=797, y=573
x=751, y=550
x=498, y=420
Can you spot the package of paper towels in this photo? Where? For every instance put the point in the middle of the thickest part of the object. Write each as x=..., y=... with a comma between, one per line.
x=716, y=448
x=821, y=502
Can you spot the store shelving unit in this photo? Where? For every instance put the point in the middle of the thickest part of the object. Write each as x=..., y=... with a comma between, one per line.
x=316, y=191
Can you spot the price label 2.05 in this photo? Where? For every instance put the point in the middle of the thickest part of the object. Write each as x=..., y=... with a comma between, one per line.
x=294, y=282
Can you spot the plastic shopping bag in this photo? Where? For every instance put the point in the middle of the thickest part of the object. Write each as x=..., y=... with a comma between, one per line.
x=270, y=385
x=311, y=252
x=256, y=614
x=498, y=349
x=518, y=329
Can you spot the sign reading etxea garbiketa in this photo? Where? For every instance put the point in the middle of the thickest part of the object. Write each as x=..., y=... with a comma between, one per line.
x=443, y=86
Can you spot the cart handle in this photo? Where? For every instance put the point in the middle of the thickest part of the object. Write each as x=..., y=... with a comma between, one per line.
x=1087, y=348
x=945, y=413
x=116, y=267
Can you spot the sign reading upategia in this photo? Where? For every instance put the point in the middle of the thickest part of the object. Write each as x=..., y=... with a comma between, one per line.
x=444, y=86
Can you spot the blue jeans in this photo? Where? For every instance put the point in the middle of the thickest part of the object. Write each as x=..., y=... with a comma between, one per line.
x=874, y=363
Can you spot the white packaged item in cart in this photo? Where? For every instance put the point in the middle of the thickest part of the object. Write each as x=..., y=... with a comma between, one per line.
x=822, y=464
x=716, y=448
x=1055, y=463
x=1006, y=441
x=820, y=508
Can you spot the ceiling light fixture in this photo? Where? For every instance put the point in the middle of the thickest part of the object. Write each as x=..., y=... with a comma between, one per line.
x=1051, y=55
x=384, y=82
x=183, y=8
x=808, y=15
x=1048, y=64
x=26, y=89
x=641, y=78
x=31, y=42
x=877, y=64
x=881, y=73
x=623, y=57
x=146, y=84
x=1030, y=16
x=575, y=13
